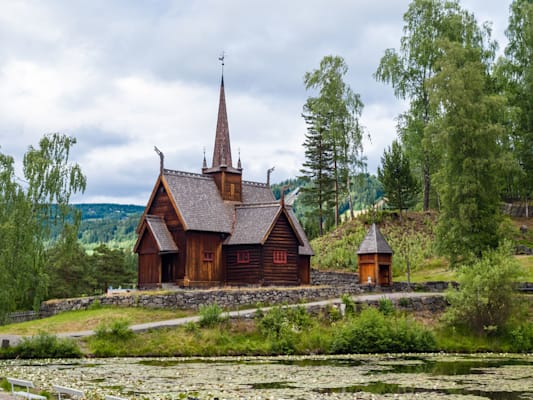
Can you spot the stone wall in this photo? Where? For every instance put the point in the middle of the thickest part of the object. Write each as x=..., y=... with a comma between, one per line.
x=517, y=209
x=332, y=278
x=193, y=299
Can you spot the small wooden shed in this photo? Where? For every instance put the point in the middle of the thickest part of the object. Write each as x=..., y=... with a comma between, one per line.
x=374, y=258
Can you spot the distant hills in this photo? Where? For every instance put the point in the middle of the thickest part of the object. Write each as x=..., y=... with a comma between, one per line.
x=109, y=223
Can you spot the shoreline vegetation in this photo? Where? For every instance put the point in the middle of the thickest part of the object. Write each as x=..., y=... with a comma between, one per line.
x=278, y=331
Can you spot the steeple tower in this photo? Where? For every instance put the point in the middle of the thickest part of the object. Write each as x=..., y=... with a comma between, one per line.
x=227, y=178
x=222, y=151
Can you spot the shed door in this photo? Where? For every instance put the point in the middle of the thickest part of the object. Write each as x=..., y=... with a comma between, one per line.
x=384, y=275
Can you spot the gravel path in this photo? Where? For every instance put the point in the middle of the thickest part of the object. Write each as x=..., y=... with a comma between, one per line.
x=14, y=339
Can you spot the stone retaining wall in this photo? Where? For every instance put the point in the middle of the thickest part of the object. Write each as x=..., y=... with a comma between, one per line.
x=332, y=278
x=193, y=299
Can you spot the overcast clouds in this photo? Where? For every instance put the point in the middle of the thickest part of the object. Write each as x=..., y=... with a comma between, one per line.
x=123, y=76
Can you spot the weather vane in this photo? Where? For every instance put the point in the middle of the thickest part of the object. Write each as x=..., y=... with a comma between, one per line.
x=221, y=59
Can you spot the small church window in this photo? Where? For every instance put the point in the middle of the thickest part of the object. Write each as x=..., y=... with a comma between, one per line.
x=208, y=256
x=280, y=256
x=243, y=257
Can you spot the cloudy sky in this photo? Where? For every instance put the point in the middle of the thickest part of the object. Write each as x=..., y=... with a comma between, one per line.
x=122, y=76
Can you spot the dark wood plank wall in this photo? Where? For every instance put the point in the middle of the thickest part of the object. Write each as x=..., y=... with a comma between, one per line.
x=304, y=269
x=162, y=206
x=282, y=237
x=198, y=270
x=149, y=261
x=243, y=273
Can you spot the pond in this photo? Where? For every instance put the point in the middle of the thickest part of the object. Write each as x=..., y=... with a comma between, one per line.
x=426, y=376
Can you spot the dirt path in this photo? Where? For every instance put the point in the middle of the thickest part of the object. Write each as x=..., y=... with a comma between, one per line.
x=14, y=339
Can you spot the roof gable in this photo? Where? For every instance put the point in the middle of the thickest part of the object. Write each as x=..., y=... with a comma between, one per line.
x=162, y=236
x=374, y=243
x=253, y=223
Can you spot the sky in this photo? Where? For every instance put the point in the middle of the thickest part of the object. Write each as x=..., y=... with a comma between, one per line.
x=124, y=76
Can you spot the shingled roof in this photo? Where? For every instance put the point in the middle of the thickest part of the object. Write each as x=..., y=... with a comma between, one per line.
x=253, y=222
x=165, y=243
x=374, y=243
x=199, y=202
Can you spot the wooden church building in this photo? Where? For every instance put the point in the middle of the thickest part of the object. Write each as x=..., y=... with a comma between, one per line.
x=213, y=228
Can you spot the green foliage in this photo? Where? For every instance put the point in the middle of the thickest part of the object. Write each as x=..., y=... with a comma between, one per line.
x=486, y=302
x=521, y=337
x=515, y=75
x=386, y=307
x=348, y=301
x=43, y=345
x=338, y=250
x=470, y=126
x=282, y=326
x=210, y=315
x=116, y=330
x=27, y=215
x=373, y=332
x=333, y=146
x=399, y=184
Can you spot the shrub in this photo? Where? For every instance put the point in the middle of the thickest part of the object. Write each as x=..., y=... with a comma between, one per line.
x=117, y=330
x=521, y=338
x=210, y=315
x=282, y=325
x=486, y=301
x=44, y=345
x=385, y=306
x=373, y=332
x=349, y=303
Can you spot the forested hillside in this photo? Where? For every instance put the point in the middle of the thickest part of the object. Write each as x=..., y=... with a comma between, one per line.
x=114, y=224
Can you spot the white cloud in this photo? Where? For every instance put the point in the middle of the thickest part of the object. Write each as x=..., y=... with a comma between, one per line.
x=125, y=76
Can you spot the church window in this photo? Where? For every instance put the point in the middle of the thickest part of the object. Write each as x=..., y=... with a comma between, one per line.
x=208, y=256
x=280, y=256
x=243, y=257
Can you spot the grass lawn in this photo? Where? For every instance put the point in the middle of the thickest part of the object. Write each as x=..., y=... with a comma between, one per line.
x=443, y=273
x=74, y=321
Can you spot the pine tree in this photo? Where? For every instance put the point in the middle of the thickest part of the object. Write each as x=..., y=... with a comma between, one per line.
x=400, y=187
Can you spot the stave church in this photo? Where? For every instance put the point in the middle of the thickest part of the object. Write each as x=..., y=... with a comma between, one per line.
x=213, y=228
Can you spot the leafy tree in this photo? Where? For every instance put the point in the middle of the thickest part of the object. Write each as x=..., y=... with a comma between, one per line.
x=334, y=115
x=470, y=132
x=26, y=214
x=516, y=73
x=486, y=301
x=69, y=268
x=111, y=268
x=427, y=23
x=399, y=185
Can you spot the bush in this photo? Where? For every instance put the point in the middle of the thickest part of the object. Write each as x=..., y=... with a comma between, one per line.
x=373, y=332
x=44, y=345
x=282, y=326
x=385, y=306
x=521, y=338
x=486, y=302
x=349, y=303
x=117, y=330
x=210, y=315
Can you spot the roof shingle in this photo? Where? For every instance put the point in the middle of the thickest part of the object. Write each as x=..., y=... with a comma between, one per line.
x=374, y=243
x=161, y=234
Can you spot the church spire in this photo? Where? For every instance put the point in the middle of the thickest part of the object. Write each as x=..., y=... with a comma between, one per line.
x=222, y=151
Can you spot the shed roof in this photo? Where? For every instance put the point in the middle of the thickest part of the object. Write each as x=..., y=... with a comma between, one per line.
x=163, y=238
x=374, y=243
